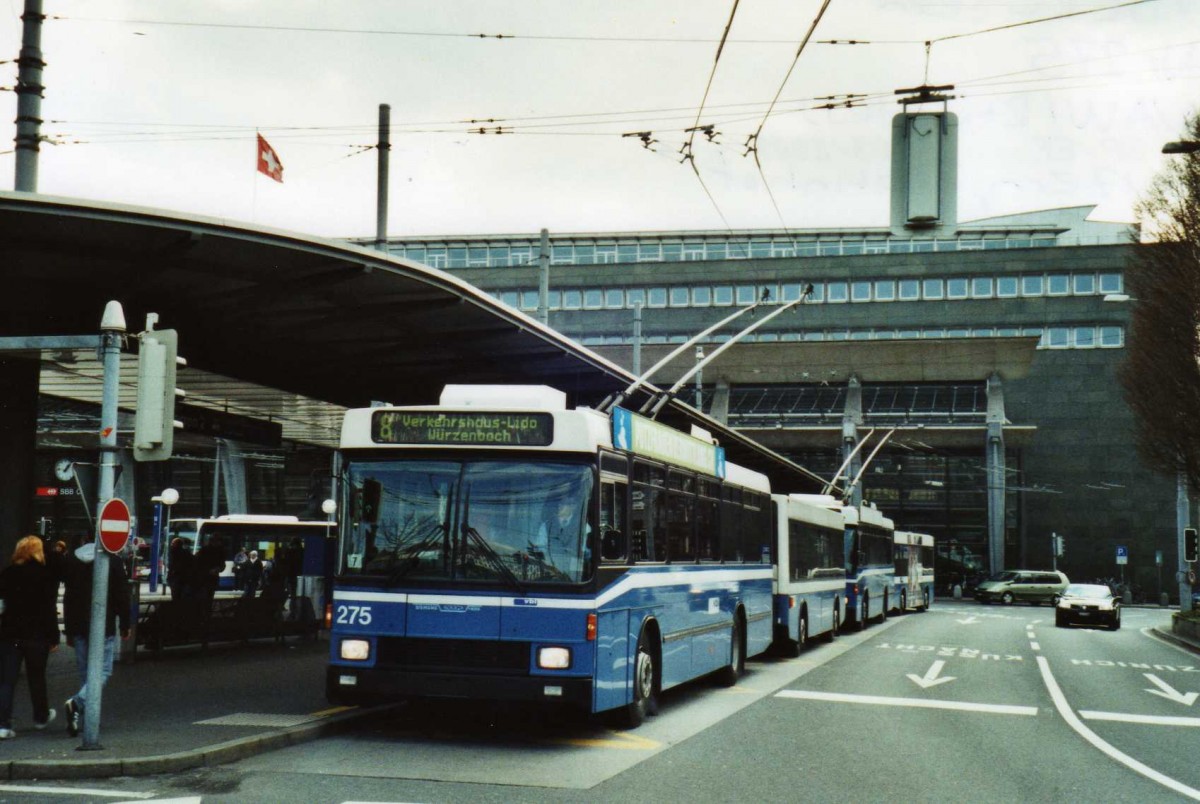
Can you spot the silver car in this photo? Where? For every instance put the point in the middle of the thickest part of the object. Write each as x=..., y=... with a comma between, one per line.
x=1087, y=604
x=1032, y=586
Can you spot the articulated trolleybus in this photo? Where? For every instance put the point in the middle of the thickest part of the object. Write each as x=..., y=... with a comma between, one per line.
x=912, y=586
x=500, y=546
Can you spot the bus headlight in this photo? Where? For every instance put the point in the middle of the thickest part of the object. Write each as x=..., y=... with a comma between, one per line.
x=356, y=650
x=554, y=658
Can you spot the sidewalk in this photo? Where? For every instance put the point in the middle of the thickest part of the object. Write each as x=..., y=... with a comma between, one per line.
x=180, y=709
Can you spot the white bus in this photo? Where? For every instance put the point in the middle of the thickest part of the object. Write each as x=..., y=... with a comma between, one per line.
x=912, y=585
x=810, y=570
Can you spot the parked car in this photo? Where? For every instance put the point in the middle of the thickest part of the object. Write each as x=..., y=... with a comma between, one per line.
x=1088, y=603
x=1032, y=586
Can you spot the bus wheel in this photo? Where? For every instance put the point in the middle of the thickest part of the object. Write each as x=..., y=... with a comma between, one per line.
x=802, y=632
x=645, y=697
x=925, y=600
x=831, y=634
x=903, y=601
x=865, y=612
x=883, y=613
x=728, y=676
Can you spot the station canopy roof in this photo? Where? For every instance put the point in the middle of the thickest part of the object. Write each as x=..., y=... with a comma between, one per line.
x=287, y=327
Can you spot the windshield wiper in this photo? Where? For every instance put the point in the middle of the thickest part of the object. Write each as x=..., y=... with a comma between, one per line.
x=408, y=557
x=493, y=557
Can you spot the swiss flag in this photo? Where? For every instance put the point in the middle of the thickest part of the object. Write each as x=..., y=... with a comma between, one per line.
x=268, y=160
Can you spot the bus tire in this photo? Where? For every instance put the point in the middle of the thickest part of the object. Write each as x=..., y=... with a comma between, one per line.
x=883, y=612
x=864, y=612
x=831, y=634
x=903, y=601
x=925, y=601
x=802, y=631
x=728, y=676
x=645, y=687
x=784, y=645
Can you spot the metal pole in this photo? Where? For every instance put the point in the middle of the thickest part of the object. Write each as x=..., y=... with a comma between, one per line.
x=543, y=311
x=1182, y=520
x=636, y=368
x=156, y=545
x=29, y=91
x=381, y=189
x=699, y=381
x=112, y=329
x=216, y=506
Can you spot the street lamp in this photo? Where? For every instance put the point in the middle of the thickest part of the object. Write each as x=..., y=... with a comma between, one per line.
x=161, y=518
x=329, y=508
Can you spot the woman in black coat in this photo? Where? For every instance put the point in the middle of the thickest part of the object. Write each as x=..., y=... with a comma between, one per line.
x=28, y=629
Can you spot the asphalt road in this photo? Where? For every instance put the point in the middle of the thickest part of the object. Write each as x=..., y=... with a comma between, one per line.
x=963, y=703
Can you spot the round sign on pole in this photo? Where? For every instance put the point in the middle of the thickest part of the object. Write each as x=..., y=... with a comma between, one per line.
x=112, y=526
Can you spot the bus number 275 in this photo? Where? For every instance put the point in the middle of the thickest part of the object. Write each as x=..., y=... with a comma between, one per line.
x=353, y=615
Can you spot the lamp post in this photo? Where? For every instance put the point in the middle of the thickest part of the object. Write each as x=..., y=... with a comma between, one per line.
x=162, y=516
x=1182, y=500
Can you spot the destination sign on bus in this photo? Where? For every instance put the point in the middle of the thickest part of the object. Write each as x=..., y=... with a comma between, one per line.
x=647, y=437
x=508, y=429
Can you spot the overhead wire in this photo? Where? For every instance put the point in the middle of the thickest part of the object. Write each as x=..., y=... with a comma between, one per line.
x=688, y=154
x=752, y=140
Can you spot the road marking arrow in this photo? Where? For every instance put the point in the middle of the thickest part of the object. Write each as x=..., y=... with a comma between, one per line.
x=970, y=620
x=1165, y=690
x=931, y=676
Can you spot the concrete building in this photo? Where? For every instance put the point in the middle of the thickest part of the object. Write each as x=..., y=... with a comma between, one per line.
x=988, y=349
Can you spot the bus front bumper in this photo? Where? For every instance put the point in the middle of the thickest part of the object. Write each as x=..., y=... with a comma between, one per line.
x=371, y=685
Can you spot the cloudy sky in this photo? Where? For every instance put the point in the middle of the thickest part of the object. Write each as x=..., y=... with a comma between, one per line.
x=157, y=104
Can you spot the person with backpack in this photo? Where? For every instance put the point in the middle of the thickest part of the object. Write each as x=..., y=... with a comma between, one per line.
x=77, y=621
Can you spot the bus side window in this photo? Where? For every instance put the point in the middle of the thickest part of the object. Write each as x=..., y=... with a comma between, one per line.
x=612, y=521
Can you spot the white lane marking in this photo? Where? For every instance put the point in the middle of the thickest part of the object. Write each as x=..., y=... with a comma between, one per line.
x=879, y=700
x=76, y=791
x=1064, y=709
x=1153, y=720
x=1165, y=690
x=1035, y=646
x=931, y=676
x=970, y=620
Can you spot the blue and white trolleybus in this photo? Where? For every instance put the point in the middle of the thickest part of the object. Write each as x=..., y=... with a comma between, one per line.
x=810, y=582
x=500, y=546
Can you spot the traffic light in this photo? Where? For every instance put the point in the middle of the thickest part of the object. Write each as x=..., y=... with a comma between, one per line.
x=1191, y=544
x=154, y=423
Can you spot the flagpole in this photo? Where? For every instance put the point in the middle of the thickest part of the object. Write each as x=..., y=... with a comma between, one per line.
x=254, y=178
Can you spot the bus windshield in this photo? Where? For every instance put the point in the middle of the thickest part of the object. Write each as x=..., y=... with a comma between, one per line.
x=511, y=522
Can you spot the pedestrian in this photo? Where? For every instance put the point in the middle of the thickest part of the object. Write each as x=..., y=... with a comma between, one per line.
x=207, y=569
x=254, y=574
x=239, y=569
x=28, y=630
x=179, y=568
x=77, y=619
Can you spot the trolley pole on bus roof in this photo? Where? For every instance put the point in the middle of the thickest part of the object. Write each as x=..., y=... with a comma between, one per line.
x=616, y=399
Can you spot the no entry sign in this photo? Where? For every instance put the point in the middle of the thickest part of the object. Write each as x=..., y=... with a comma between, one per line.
x=113, y=525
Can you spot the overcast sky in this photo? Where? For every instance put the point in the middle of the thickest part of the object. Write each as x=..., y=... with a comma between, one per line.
x=156, y=104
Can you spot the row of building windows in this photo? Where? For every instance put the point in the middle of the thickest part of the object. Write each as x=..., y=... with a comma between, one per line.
x=495, y=255
x=866, y=290
x=1103, y=336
